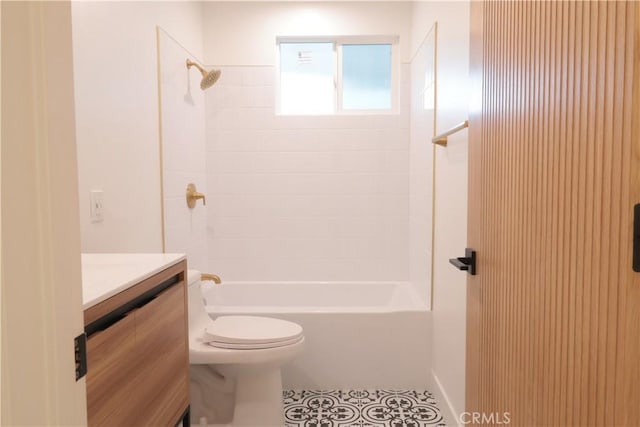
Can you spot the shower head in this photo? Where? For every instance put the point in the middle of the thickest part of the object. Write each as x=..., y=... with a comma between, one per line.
x=208, y=77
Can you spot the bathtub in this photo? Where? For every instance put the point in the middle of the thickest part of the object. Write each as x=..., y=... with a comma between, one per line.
x=357, y=334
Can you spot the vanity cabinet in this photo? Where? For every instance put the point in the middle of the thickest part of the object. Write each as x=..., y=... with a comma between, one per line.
x=137, y=354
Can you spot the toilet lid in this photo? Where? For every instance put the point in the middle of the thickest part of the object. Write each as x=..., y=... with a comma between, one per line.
x=251, y=332
x=253, y=346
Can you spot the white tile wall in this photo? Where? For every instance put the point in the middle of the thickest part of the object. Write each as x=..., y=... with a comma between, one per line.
x=421, y=171
x=183, y=154
x=304, y=198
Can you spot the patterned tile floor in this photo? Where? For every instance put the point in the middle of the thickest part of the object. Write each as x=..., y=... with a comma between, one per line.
x=362, y=408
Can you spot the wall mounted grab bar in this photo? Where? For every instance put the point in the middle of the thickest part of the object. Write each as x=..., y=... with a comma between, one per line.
x=442, y=138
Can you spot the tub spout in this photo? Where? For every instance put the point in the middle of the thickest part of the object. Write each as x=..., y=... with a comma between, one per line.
x=215, y=278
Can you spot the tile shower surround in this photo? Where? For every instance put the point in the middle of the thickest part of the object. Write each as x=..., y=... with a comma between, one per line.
x=304, y=197
x=371, y=408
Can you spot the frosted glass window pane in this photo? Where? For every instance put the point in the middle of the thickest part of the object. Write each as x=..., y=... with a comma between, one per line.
x=306, y=78
x=366, y=77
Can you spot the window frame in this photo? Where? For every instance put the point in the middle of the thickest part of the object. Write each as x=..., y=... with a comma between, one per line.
x=338, y=42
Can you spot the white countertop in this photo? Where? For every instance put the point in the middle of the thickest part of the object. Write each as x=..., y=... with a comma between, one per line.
x=104, y=275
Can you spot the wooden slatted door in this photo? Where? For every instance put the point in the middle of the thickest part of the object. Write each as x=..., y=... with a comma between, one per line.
x=554, y=156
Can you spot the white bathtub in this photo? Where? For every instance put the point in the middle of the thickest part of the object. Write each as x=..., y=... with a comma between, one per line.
x=358, y=334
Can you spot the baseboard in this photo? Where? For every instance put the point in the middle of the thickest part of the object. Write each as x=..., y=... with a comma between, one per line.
x=448, y=411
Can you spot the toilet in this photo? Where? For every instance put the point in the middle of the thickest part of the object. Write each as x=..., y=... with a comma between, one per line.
x=242, y=352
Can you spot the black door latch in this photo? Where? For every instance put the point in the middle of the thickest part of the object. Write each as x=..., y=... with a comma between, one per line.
x=466, y=263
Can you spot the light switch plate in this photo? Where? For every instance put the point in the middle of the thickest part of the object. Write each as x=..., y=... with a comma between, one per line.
x=96, y=198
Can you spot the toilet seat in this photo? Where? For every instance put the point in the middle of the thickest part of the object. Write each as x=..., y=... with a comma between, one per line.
x=251, y=332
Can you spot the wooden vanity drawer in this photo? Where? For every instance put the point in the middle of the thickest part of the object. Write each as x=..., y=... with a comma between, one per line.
x=110, y=382
x=138, y=364
x=161, y=346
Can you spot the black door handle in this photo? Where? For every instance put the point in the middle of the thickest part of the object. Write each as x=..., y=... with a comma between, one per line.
x=466, y=263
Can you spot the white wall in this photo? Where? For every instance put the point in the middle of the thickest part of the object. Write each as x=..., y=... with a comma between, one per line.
x=295, y=197
x=116, y=89
x=449, y=293
x=183, y=152
x=244, y=33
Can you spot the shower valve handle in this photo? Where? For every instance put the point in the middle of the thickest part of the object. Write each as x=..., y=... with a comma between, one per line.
x=198, y=196
x=193, y=195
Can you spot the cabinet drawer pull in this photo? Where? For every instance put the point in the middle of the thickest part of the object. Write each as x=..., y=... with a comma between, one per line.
x=109, y=323
x=145, y=302
x=119, y=313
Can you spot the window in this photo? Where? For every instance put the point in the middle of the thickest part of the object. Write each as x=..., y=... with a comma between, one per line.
x=306, y=78
x=366, y=77
x=336, y=76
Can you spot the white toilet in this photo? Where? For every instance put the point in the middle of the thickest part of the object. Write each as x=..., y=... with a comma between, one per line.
x=245, y=350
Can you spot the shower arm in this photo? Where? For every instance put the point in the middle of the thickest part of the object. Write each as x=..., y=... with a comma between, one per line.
x=190, y=63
